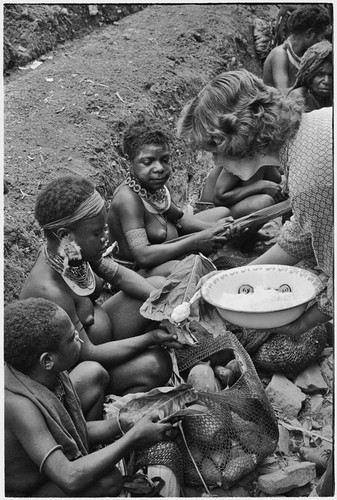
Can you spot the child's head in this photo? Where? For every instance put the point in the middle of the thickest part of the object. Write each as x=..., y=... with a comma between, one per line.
x=33, y=327
x=143, y=133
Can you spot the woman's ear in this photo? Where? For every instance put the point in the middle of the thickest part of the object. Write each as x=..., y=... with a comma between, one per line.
x=46, y=361
x=62, y=232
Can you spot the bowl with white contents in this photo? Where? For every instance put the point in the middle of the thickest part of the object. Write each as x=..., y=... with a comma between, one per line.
x=261, y=296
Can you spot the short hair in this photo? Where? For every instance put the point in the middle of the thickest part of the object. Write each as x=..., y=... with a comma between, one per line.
x=237, y=114
x=30, y=329
x=312, y=17
x=141, y=133
x=60, y=198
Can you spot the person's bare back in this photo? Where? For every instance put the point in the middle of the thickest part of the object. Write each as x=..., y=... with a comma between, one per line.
x=278, y=71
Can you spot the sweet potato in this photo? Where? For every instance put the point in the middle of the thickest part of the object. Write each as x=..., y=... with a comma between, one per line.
x=202, y=378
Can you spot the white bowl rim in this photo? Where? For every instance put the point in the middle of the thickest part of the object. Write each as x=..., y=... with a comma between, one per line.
x=316, y=283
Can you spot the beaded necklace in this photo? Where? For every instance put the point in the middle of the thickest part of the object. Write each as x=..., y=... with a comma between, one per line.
x=160, y=199
x=80, y=279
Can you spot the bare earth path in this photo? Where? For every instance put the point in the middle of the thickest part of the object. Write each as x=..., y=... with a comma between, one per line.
x=67, y=115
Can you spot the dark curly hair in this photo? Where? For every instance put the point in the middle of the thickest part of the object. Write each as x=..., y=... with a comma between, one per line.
x=238, y=115
x=30, y=329
x=312, y=17
x=141, y=133
x=60, y=197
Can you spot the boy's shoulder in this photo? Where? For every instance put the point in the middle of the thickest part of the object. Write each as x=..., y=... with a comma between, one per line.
x=19, y=408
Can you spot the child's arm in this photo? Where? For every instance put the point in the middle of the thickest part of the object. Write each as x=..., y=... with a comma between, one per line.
x=103, y=431
x=29, y=427
x=229, y=190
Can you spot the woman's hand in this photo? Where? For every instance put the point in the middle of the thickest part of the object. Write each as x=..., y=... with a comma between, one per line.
x=149, y=431
x=310, y=318
x=210, y=240
x=165, y=338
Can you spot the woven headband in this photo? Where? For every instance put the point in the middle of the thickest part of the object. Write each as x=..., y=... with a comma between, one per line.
x=87, y=209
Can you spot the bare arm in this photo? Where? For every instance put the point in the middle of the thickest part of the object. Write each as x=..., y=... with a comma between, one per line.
x=132, y=283
x=102, y=431
x=110, y=353
x=130, y=211
x=310, y=318
x=276, y=255
x=229, y=191
x=279, y=68
x=29, y=427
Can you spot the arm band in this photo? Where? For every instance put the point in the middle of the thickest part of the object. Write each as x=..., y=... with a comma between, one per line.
x=136, y=238
x=57, y=447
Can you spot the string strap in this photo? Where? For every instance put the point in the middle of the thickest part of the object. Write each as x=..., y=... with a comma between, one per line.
x=57, y=447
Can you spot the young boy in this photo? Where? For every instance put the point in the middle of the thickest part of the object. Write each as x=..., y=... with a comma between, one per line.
x=47, y=441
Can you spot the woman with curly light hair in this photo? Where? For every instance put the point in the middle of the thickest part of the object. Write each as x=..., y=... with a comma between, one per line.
x=238, y=117
x=248, y=125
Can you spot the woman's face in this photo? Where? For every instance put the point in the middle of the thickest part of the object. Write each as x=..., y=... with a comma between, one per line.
x=244, y=168
x=151, y=166
x=91, y=236
x=321, y=84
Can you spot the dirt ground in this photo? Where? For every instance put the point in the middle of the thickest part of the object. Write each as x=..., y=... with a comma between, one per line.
x=68, y=114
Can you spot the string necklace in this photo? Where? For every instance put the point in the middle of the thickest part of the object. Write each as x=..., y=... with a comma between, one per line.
x=160, y=200
x=80, y=279
x=294, y=58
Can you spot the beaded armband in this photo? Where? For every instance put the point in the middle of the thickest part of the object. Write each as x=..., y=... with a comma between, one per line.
x=106, y=269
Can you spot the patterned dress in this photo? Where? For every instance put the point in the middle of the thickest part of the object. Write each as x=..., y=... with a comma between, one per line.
x=307, y=159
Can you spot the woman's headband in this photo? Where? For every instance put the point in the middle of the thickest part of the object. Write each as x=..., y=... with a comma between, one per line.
x=90, y=207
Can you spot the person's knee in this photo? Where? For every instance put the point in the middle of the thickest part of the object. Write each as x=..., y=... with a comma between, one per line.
x=264, y=201
x=112, y=484
x=159, y=363
x=90, y=380
x=157, y=281
x=96, y=375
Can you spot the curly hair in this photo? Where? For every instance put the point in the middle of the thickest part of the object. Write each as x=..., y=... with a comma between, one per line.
x=312, y=17
x=141, y=133
x=60, y=197
x=30, y=329
x=238, y=115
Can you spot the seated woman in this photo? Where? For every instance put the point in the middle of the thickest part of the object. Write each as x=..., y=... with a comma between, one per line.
x=314, y=78
x=73, y=216
x=142, y=215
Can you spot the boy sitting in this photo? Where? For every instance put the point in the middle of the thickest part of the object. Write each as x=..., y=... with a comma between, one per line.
x=47, y=441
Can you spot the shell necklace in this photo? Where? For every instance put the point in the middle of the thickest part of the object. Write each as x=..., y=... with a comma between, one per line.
x=160, y=200
x=80, y=279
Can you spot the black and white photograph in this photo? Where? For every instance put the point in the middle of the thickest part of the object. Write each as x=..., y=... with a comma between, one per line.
x=168, y=250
